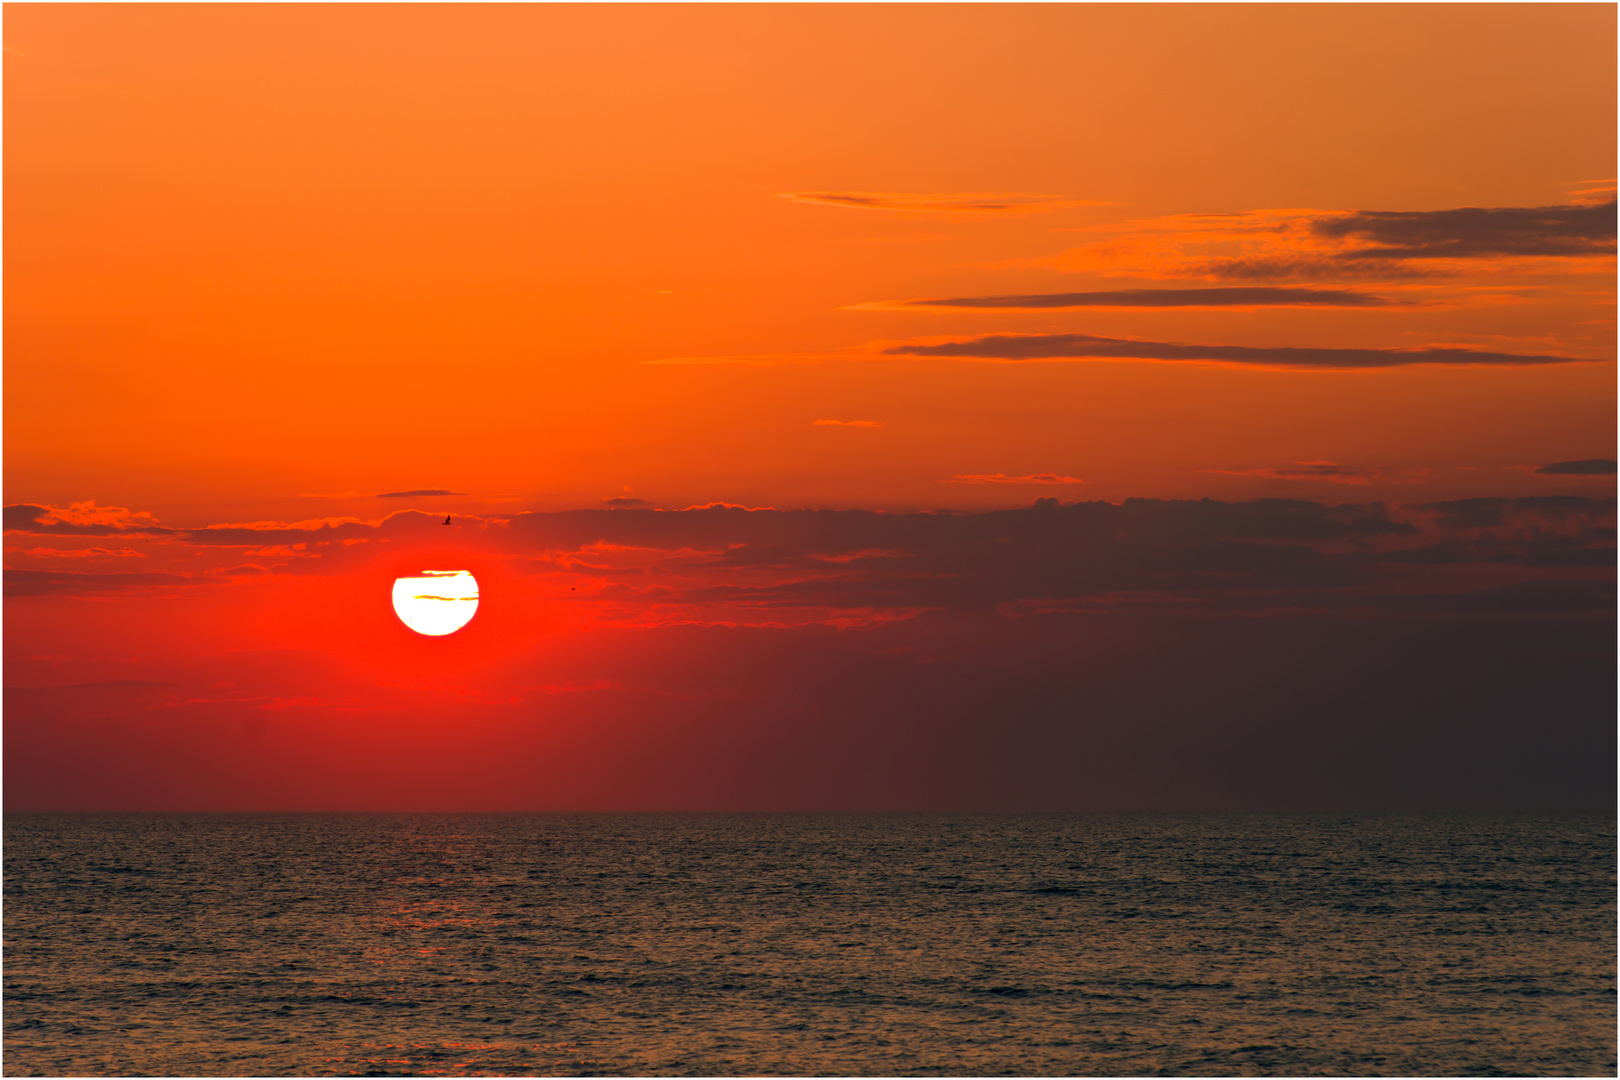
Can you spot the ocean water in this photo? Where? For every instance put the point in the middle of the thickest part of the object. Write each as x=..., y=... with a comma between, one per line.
x=830, y=945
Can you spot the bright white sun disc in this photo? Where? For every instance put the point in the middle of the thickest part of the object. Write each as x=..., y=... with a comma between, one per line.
x=436, y=603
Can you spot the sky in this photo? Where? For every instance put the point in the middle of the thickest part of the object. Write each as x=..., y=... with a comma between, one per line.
x=962, y=407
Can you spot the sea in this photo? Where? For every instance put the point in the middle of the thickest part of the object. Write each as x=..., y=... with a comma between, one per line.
x=825, y=945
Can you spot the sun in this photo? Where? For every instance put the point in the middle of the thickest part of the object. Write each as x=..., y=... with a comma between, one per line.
x=437, y=602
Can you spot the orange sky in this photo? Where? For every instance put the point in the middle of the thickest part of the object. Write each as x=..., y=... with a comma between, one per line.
x=258, y=252
x=266, y=263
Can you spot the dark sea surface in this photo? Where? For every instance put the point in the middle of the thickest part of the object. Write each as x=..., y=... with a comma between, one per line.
x=831, y=945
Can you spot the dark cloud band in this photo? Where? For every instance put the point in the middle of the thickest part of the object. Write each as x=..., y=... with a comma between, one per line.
x=1584, y=467
x=1264, y=554
x=417, y=493
x=1087, y=347
x=1473, y=232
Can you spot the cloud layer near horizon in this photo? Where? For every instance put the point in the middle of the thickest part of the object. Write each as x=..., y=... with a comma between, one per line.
x=1507, y=556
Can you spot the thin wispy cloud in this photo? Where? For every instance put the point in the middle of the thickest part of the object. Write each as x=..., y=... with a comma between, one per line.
x=54, y=582
x=1015, y=347
x=1240, y=296
x=92, y=553
x=956, y=203
x=849, y=423
x=418, y=493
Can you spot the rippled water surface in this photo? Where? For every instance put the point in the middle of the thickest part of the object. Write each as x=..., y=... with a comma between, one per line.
x=1030, y=945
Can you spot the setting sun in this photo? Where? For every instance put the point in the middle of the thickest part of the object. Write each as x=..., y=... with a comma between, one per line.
x=438, y=602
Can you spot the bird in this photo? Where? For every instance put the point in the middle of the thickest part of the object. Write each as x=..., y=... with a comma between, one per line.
x=446, y=520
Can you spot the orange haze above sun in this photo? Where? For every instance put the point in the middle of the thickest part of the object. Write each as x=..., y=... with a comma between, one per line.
x=261, y=256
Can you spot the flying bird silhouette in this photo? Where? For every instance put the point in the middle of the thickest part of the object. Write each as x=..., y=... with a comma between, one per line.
x=446, y=520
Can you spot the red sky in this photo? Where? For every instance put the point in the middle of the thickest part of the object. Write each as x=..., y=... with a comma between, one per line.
x=287, y=284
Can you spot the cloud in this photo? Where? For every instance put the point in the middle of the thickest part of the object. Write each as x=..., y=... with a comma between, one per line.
x=1329, y=471
x=1015, y=347
x=49, y=582
x=1297, y=268
x=1583, y=467
x=81, y=519
x=621, y=502
x=1542, y=513
x=417, y=493
x=1473, y=232
x=1003, y=478
x=822, y=562
x=1555, y=532
x=1232, y=296
x=400, y=525
x=1305, y=244
x=735, y=565
x=1600, y=191
x=959, y=203
x=93, y=553
x=1087, y=347
x=744, y=566
x=848, y=423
